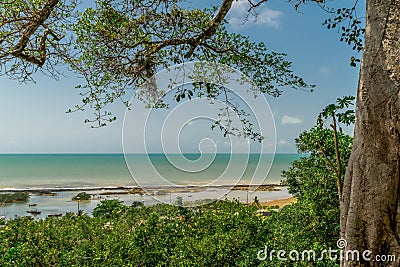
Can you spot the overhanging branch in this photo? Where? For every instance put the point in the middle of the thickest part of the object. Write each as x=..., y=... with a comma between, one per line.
x=223, y=11
x=38, y=19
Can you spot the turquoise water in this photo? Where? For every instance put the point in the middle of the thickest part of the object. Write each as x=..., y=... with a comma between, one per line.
x=90, y=170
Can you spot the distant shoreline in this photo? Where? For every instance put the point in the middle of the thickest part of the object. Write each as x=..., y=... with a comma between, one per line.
x=59, y=200
x=136, y=189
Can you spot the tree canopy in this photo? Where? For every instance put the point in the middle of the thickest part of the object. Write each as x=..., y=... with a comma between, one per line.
x=118, y=45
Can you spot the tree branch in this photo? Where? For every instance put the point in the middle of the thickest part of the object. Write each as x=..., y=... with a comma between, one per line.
x=339, y=163
x=38, y=19
x=326, y=157
x=223, y=11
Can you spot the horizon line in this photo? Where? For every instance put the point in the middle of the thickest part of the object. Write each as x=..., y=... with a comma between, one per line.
x=152, y=153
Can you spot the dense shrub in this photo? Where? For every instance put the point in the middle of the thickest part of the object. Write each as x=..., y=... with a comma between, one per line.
x=82, y=196
x=220, y=234
x=313, y=222
x=14, y=197
x=109, y=208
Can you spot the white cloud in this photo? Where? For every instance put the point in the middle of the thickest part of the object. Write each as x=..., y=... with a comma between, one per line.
x=269, y=17
x=266, y=16
x=291, y=120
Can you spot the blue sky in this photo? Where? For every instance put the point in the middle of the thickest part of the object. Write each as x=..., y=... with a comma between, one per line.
x=34, y=118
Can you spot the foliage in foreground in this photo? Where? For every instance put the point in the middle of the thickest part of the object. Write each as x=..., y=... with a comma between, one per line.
x=313, y=222
x=221, y=234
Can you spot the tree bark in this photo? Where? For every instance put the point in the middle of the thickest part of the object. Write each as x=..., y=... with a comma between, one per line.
x=370, y=210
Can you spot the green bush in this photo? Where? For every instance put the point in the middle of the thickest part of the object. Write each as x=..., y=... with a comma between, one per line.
x=109, y=208
x=223, y=233
x=82, y=196
x=14, y=197
x=313, y=222
x=137, y=204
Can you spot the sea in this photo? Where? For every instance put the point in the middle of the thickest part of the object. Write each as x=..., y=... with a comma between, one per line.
x=100, y=174
x=68, y=171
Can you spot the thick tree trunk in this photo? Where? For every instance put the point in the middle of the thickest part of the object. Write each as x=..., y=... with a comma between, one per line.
x=370, y=210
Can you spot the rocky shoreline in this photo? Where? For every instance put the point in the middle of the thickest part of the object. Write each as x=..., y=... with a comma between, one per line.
x=117, y=190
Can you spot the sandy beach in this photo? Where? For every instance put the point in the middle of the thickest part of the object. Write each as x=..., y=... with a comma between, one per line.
x=279, y=202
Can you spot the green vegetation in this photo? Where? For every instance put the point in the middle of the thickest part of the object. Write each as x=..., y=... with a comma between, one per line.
x=82, y=196
x=179, y=201
x=137, y=204
x=14, y=197
x=223, y=233
x=109, y=208
x=313, y=222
